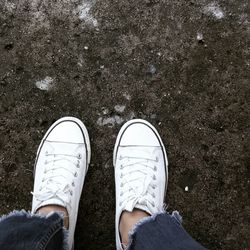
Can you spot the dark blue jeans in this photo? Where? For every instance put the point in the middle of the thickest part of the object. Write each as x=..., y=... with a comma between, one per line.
x=24, y=231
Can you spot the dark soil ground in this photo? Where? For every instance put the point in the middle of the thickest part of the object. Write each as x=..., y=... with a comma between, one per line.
x=182, y=65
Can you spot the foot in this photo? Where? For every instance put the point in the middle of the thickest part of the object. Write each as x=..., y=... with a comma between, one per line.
x=61, y=165
x=141, y=171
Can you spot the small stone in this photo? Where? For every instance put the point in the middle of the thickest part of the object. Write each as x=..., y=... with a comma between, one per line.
x=200, y=37
x=186, y=189
x=105, y=111
x=86, y=47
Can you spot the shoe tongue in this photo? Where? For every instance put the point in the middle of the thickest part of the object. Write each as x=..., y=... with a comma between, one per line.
x=53, y=201
x=134, y=151
x=137, y=204
x=144, y=208
x=61, y=147
x=49, y=197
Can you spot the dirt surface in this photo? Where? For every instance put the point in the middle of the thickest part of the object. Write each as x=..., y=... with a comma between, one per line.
x=182, y=65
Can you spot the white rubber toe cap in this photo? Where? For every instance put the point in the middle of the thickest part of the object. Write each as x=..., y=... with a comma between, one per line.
x=140, y=134
x=68, y=130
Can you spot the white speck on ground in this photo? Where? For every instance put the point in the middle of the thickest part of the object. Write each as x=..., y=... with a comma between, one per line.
x=199, y=36
x=105, y=111
x=83, y=11
x=186, y=189
x=215, y=10
x=86, y=47
x=120, y=108
x=45, y=84
x=127, y=96
x=79, y=64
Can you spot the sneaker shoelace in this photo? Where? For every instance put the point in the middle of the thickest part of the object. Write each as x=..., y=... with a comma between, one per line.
x=55, y=182
x=138, y=180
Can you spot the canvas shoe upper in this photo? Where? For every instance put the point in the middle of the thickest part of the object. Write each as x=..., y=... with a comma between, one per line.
x=141, y=172
x=61, y=165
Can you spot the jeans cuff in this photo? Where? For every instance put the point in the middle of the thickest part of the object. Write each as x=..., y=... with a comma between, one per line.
x=28, y=215
x=175, y=214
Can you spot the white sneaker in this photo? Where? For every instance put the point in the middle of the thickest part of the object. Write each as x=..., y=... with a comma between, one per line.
x=61, y=165
x=141, y=170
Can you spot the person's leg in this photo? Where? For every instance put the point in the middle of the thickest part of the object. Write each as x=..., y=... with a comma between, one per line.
x=141, y=172
x=60, y=168
x=21, y=230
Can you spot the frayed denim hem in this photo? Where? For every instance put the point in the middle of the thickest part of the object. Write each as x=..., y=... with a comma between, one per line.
x=28, y=214
x=175, y=214
x=65, y=239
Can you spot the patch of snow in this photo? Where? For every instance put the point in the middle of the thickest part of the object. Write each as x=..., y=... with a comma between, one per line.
x=152, y=69
x=10, y=7
x=45, y=84
x=127, y=96
x=215, y=10
x=83, y=12
x=120, y=108
x=110, y=121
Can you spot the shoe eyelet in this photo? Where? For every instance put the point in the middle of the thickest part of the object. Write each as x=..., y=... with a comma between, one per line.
x=121, y=175
x=120, y=158
x=75, y=174
x=79, y=156
x=73, y=184
x=153, y=204
x=121, y=167
x=46, y=162
x=121, y=194
x=40, y=189
x=154, y=177
x=71, y=193
x=155, y=168
x=153, y=195
x=157, y=159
